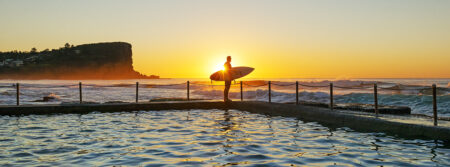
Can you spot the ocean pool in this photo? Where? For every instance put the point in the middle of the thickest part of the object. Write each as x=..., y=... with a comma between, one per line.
x=201, y=138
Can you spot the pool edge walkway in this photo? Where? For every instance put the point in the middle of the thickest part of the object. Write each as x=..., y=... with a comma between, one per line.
x=325, y=116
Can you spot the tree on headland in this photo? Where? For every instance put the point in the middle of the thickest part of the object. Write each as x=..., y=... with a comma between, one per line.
x=67, y=45
x=33, y=50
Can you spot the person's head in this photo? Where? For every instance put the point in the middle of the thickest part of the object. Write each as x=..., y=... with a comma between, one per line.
x=228, y=58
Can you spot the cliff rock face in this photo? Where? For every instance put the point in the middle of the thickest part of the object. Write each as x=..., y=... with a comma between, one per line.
x=89, y=61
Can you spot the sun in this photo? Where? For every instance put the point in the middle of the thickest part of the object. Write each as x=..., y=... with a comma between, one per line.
x=216, y=61
x=219, y=67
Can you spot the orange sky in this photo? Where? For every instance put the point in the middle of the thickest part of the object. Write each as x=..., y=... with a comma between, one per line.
x=280, y=39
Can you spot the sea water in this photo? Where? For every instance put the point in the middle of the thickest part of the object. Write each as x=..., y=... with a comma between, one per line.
x=202, y=138
x=414, y=93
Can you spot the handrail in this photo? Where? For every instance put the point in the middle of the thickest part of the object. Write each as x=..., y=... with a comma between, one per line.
x=342, y=87
x=314, y=86
x=255, y=85
x=184, y=83
x=38, y=86
x=390, y=88
x=241, y=83
x=283, y=85
x=193, y=83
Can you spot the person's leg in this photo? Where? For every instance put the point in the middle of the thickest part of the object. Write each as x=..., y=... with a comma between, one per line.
x=227, y=89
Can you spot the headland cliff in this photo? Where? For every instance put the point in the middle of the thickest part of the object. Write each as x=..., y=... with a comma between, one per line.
x=112, y=60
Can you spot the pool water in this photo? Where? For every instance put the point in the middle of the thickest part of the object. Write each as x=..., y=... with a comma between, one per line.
x=201, y=138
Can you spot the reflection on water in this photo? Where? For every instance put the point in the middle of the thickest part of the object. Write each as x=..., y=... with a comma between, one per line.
x=201, y=137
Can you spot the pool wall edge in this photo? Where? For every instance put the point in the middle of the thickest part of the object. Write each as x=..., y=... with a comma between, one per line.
x=325, y=116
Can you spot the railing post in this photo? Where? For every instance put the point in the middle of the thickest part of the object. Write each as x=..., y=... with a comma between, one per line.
x=187, y=84
x=296, y=92
x=434, y=106
x=17, y=93
x=242, y=94
x=270, y=92
x=137, y=92
x=81, y=93
x=331, y=96
x=375, y=96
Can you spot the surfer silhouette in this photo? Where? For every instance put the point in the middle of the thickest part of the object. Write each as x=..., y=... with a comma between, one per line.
x=227, y=79
x=229, y=74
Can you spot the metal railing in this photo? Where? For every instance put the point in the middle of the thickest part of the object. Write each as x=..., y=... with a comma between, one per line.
x=375, y=89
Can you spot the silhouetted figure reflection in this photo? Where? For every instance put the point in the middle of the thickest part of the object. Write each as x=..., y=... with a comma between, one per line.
x=227, y=124
x=227, y=127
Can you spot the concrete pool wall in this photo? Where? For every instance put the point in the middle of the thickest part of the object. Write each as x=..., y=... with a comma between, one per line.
x=406, y=125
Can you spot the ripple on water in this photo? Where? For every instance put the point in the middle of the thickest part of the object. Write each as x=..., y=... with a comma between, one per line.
x=202, y=137
x=7, y=140
x=32, y=128
x=58, y=150
x=22, y=154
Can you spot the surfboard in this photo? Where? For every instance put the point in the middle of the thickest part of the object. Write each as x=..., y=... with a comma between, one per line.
x=235, y=72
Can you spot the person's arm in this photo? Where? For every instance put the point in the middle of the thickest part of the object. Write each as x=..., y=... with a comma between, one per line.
x=229, y=66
